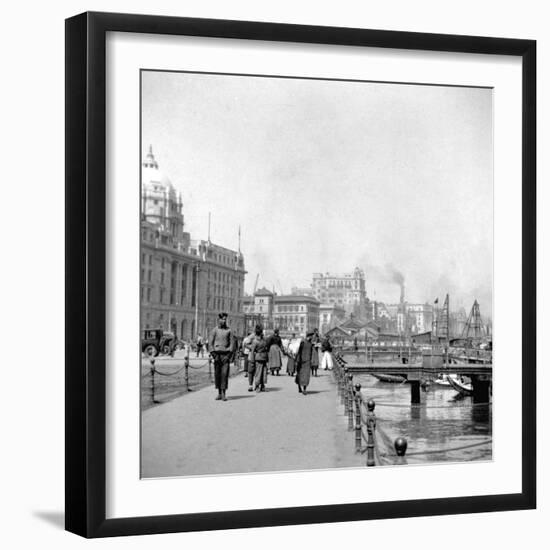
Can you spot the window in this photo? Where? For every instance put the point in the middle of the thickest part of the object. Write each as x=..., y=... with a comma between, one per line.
x=148, y=294
x=149, y=274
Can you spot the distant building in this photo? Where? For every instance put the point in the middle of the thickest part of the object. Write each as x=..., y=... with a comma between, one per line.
x=330, y=315
x=184, y=283
x=301, y=291
x=419, y=318
x=346, y=290
x=407, y=318
x=290, y=313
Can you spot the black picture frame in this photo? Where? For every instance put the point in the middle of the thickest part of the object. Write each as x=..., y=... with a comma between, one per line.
x=86, y=275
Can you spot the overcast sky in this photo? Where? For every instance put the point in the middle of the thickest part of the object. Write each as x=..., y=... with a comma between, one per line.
x=325, y=176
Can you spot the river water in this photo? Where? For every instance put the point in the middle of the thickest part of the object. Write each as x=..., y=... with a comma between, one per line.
x=442, y=422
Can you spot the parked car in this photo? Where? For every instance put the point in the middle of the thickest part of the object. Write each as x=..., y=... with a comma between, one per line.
x=156, y=340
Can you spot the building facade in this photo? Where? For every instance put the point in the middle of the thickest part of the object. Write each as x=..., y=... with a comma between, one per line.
x=330, y=316
x=346, y=290
x=302, y=291
x=420, y=317
x=290, y=313
x=185, y=283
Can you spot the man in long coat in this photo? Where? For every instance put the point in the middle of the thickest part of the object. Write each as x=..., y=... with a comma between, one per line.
x=303, y=362
x=275, y=346
x=259, y=356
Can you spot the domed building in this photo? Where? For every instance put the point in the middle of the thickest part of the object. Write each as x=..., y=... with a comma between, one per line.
x=160, y=204
x=184, y=282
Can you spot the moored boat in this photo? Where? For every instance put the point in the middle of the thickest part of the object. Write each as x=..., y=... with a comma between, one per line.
x=442, y=381
x=458, y=384
x=393, y=378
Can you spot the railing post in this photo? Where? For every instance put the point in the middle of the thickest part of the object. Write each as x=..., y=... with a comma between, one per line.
x=358, y=426
x=350, y=402
x=371, y=427
x=400, y=445
x=186, y=376
x=152, y=361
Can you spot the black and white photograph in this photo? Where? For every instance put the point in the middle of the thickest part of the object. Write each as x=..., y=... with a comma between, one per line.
x=290, y=260
x=316, y=274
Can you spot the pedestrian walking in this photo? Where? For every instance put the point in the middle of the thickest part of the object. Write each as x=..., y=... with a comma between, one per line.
x=290, y=353
x=247, y=342
x=275, y=360
x=259, y=355
x=326, y=348
x=303, y=363
x=315, y=358
x=200, y=346
x=222, y=347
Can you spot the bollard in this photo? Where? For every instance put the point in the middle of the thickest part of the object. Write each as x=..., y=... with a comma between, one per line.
x=186, y=363
x=152, y=361
x=357, y=418
x=350, y=402
x=400, y=445
x=371, y=426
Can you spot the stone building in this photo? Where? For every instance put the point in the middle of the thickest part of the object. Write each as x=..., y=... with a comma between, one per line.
x=330, y=315
x=290, y=313
x=185, y=283
x=346, y=290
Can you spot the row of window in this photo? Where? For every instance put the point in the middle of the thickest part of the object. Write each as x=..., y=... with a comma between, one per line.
x=289, y=308
x=342, y=284
x=220, y=258
x=149, y=294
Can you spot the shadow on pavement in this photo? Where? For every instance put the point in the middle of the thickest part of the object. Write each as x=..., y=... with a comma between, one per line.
x=235, y=397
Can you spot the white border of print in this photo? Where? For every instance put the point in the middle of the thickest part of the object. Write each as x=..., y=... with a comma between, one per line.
x=127, y=495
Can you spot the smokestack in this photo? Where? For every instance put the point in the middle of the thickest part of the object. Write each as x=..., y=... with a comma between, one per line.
x=402, y=298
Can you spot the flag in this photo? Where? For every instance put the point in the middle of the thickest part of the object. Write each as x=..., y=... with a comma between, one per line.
x=436, y=301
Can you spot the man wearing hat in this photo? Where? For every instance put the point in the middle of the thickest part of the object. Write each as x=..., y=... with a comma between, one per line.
x=222, y=347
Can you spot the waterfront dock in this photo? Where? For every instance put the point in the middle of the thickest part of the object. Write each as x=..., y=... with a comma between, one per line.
x=276, y=430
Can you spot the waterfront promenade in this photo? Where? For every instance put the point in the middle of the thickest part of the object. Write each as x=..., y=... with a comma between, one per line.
x=276, y=430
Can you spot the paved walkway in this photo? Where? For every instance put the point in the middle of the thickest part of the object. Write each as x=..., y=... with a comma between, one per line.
x=276, y=430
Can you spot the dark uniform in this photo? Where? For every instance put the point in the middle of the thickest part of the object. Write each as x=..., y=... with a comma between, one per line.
x=222, y=347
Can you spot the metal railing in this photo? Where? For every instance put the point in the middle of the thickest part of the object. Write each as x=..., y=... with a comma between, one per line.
x=362, y=419
x=162, y=382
